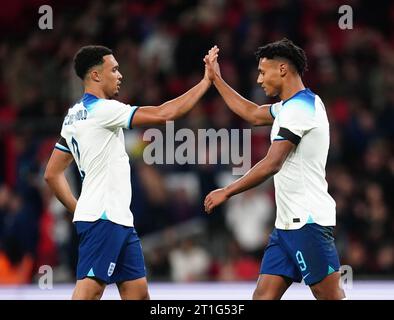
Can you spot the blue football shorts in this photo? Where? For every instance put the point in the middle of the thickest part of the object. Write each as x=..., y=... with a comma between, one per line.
x=308, y=254
x=109, y=252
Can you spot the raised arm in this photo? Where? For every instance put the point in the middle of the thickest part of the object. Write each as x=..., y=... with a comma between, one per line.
x=248, y=110
x=54, y=176
x=173, y=109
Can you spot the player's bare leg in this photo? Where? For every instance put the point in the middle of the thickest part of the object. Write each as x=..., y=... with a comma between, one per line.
x=88, y=289
x=328, y=288
x=271, y=287
x=134, y=289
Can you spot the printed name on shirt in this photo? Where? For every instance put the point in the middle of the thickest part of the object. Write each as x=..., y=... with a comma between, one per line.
x=71, y=118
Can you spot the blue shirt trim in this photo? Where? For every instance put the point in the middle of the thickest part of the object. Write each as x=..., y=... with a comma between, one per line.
x=62, y=148
x=302, y=99
x=295, y=95
x=89, y=100
x=272, y=114
x=132, y=113
x=310, y=219
x=104, y=216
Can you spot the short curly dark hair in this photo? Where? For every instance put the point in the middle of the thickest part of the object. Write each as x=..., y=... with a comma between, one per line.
x=87, y=57
x=284, y=48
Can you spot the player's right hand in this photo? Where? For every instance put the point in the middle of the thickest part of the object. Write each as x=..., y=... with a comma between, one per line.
x=214, y=199
x=211, y=63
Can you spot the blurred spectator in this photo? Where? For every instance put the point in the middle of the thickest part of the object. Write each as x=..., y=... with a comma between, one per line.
x=236, y=266
x=249, y=217
x=158, y=265
x=189, y=262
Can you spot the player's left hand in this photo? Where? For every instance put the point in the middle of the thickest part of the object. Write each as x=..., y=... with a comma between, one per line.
x=215, y=198
x=211, y=64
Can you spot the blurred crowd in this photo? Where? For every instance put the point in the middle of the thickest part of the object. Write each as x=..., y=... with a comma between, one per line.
x=160, y=46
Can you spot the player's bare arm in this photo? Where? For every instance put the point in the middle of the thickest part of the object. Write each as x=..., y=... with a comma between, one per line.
x=263, y=170
x=54, y=176
x=246, y=109
x=173, y=109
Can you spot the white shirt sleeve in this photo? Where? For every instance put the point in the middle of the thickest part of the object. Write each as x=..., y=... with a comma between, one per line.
x=274, y=109
x=297, y=117
x=112, y=114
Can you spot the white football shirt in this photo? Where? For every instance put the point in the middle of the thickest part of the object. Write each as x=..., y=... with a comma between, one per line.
x=93, y=133
x=300, y=186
